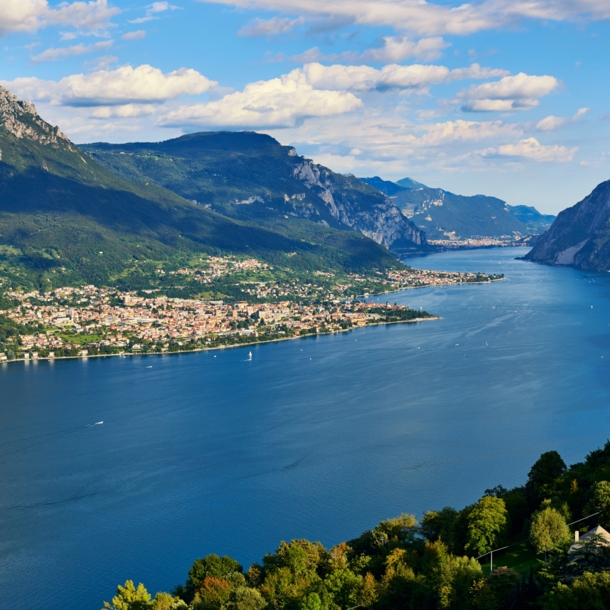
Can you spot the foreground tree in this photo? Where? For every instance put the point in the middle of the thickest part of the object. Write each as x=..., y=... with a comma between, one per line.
x=487, y=525
x=589, y=592
x=549, y=467
x=548, y=531
x=130, y=597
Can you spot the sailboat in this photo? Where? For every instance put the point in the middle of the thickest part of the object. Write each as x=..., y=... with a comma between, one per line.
x=250, y=356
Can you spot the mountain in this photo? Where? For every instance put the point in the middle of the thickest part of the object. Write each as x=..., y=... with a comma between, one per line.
x=408, y=183
x=251, y=177
x=66, y=218
x=443, y=215
x=536, y=222
x=580, y=236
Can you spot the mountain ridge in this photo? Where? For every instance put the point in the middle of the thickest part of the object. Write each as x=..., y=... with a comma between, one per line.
x=580, y=235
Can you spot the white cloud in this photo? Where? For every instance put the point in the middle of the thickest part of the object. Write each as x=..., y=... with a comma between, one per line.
x=63, y=52
x=31, y=15
x=128, y=111
x=394, y=49
x=393, y=76
x=454, y=131
x=550, y=123
x=268, y=27
x=276, y=103
x=137, y=35
x=428, y=18
x=143, y=84
x=398, y=48
x=152, y=10
x=518, y=92
x=530, y=148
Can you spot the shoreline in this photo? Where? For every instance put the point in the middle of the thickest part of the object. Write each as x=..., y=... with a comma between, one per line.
x=210, y=349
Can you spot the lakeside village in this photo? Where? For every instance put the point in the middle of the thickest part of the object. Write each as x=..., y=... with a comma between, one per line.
x=91, y=321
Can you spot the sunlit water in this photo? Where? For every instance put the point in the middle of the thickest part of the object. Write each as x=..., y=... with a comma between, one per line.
x=315, y=438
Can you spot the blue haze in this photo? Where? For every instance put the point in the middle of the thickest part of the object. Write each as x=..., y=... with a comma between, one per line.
x=317, y=438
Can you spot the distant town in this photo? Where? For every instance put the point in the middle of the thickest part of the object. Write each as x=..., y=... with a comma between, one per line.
x=94, y=321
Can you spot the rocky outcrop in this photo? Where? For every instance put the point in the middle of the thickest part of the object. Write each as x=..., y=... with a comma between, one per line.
x=365, y=210
x=580, y=236
x=21, y=120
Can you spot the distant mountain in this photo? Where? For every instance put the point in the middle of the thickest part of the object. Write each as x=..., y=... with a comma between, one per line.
x=408, y=183
x=443, y=215
x=66, y=218
x=536, y=222
x=580, y=236
x=252, y=178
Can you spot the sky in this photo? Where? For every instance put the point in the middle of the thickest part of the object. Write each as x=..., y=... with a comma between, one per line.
x=509, y=98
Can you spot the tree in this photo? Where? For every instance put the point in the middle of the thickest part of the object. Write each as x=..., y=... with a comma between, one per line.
x=130, y=597
x=487, y=525
x=210, y=566
x=599, y=501
x=548, y=530
x=549, y=467
x=589, y=592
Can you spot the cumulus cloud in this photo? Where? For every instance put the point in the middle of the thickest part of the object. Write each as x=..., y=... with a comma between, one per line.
x=530, y=148
x=268, y=27
x=31, y=15
x=53, y=54
x=455, y=131
x=392, y=76
x=518, y=92
x=137, y=35
x=124, y=85
x=550, y=123
x=276, y=103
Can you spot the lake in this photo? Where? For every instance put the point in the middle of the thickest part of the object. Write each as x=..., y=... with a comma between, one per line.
x=317, y=438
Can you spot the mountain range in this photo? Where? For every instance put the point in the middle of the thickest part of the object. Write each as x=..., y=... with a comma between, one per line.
x=446, y=216
x=65, y=217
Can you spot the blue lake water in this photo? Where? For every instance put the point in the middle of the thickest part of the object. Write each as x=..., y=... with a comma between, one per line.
x=318, y=438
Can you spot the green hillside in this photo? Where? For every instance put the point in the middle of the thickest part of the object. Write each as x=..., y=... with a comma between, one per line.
x=251, y=177
x=64, y=218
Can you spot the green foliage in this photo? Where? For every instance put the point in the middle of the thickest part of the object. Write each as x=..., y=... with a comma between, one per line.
x=487, y=525
x=548, y=530
x=400, y=565
x=588, y=592
x=544, y=472
x=130, y=597
x=599, y=501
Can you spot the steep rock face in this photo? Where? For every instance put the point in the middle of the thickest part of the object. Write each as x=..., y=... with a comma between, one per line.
x=251, y=176
x=580, y=236
x=380, y=220
x=21, y=120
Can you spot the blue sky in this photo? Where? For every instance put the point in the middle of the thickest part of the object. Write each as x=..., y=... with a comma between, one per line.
x=502, y=97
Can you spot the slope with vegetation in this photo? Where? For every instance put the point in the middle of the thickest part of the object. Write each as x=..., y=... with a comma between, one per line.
x=401, y=564
x=251, y=177
x=65, y=219
x=580, y=236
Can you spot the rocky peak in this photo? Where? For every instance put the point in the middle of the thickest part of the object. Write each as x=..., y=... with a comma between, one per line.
x=21, y=120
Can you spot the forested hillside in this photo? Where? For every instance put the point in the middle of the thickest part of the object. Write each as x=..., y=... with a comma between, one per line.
x=440, y=563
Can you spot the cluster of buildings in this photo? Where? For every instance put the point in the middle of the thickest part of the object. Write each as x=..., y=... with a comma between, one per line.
x=90, y=320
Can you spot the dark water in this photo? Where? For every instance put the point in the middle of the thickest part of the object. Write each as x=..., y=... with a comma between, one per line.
x=317, y=438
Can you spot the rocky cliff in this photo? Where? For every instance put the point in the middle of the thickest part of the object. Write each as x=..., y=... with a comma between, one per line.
x=251, y=176
x=580, y=236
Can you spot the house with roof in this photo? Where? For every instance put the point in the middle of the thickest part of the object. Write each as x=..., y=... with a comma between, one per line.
x=604, y=538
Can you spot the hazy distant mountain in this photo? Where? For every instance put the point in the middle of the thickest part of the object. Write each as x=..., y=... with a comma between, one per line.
x=251, y=177
x=536, y=222
x=444, y=215
x=580, y=236
x=66, y=218
x=409, y=183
